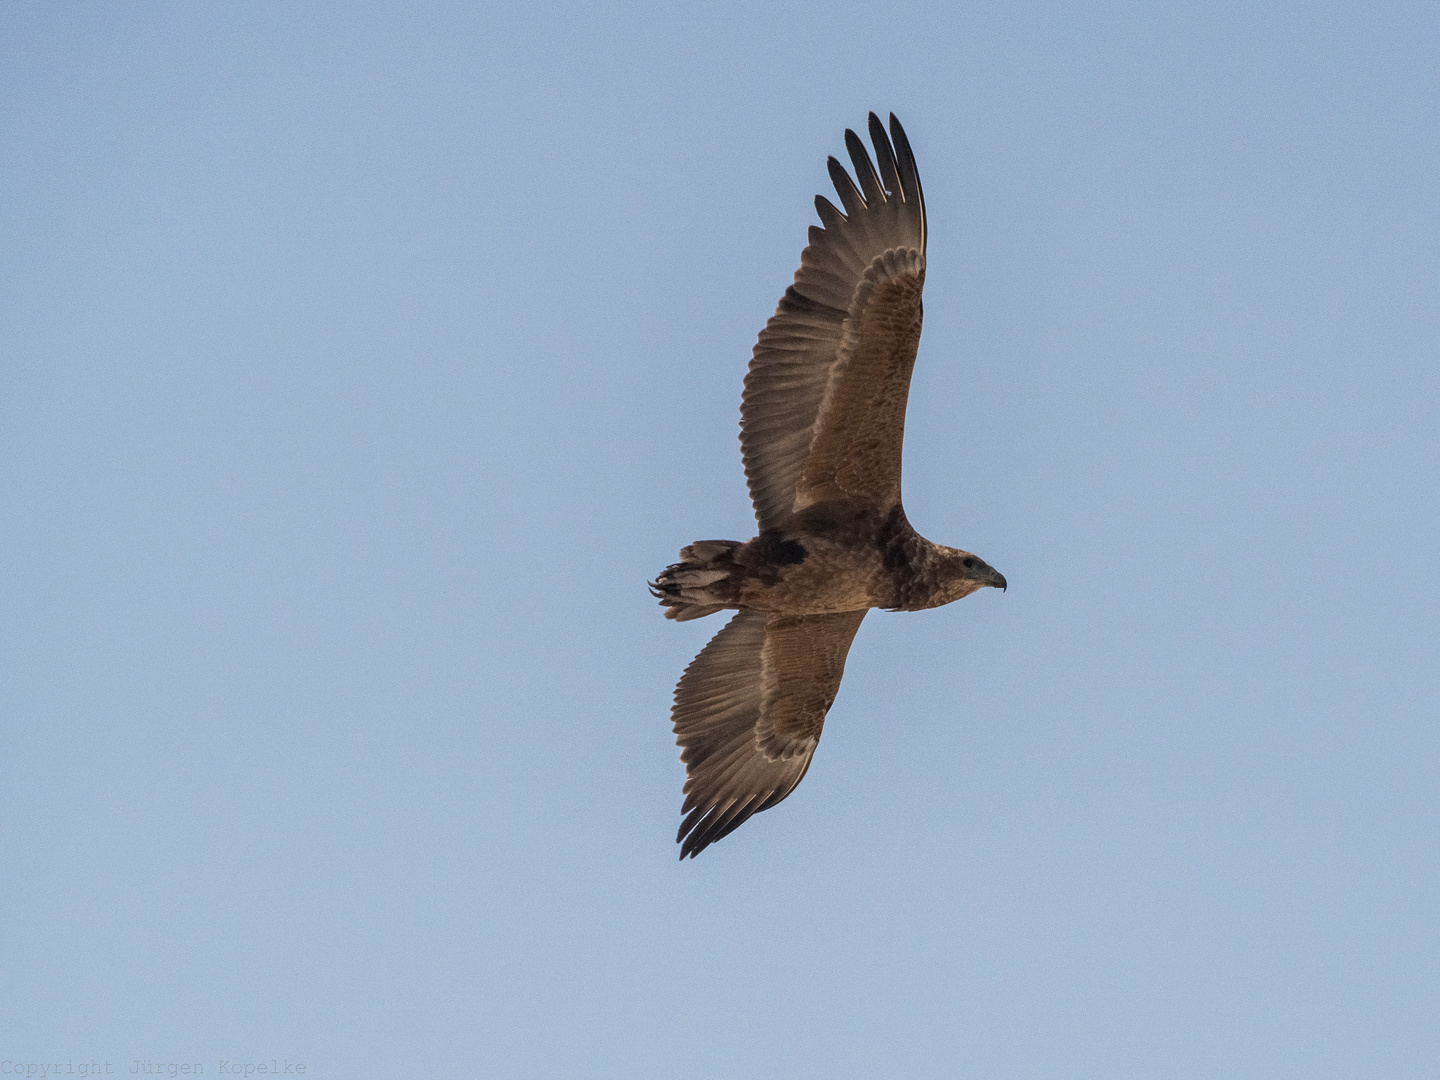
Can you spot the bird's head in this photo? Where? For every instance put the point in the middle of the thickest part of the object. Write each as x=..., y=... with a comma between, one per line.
x=965, y=573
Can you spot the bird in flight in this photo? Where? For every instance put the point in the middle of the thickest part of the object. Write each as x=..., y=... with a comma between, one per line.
x=822, y=420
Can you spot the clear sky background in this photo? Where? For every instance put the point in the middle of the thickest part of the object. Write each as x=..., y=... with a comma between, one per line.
x=361, y=363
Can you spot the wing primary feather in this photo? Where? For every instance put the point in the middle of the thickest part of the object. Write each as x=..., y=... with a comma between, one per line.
x=850, y=196
x=909, y=174
x=721, y=772
x=830, y=215
x=714, y=827
x=838, y=242
x=885, y=157
x=779, y=794
x=696, y=841
x=864, y=170
x=796, y=301
x=691, y=820
x=721, y=829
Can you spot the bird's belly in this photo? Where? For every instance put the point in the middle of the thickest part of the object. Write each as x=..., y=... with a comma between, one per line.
x=826, y=581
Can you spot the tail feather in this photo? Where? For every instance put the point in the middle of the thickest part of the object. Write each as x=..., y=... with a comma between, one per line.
x=704, y=581
x=686, y=612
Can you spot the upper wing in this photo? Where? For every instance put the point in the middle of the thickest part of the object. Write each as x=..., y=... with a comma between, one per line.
x=824, y=401
x=748, y=713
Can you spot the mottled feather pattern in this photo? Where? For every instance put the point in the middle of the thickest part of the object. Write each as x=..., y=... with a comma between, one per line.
x=803, y=661
x=856, y=448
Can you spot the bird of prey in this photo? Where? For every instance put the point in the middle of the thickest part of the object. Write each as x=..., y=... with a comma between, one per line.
x=822, y=420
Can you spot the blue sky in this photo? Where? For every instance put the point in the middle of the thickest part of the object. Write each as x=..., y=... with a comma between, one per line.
x=362, y=362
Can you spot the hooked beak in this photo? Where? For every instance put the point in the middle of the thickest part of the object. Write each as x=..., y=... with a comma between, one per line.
x=981, y=573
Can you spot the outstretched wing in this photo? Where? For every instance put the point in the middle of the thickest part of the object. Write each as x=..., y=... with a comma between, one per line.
x=748, y=713
x=824, y=403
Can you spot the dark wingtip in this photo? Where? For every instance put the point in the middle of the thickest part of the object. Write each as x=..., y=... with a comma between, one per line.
x=885, y=158
x=850, y=197
x=909, y=173
x=870, y=184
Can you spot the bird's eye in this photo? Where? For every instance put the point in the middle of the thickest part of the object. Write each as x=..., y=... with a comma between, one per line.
x=969, y=564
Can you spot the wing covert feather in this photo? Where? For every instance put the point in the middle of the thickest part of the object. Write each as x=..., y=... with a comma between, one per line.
x=855, y=452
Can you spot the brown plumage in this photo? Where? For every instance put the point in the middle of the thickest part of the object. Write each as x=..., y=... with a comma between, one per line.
x=822, y=423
